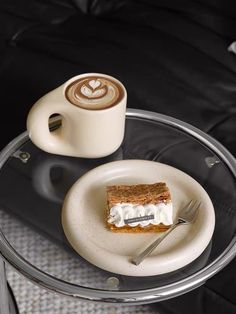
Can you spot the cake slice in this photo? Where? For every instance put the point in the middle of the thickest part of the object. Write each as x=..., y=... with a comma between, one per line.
x=139, y=208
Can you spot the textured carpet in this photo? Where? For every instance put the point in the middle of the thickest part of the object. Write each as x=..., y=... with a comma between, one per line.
x=49, y=257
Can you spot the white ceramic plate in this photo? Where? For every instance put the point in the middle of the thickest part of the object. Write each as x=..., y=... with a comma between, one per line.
x=83, y=220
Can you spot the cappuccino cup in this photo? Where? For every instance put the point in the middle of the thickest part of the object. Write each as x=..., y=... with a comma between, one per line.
x=92, y=107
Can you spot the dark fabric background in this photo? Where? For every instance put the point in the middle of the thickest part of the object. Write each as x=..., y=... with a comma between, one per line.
x=171, y=55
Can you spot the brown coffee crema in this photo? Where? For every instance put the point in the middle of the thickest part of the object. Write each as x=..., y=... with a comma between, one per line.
x=94, y=92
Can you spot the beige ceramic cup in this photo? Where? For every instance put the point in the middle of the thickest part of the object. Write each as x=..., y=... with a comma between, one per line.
x=89, y=133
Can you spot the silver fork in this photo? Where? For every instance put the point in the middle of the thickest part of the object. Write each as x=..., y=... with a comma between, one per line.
x=186, y=215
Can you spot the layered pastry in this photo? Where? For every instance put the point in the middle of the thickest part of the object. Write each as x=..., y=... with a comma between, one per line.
x=139, y=208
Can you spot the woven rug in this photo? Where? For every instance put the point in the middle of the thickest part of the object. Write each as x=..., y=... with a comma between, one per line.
x=47, y=256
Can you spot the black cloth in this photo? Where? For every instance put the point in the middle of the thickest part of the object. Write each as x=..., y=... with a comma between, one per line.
x=171, y=56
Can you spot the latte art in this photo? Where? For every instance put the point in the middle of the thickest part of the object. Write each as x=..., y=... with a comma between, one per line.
x=94, y=93
x=93, y=89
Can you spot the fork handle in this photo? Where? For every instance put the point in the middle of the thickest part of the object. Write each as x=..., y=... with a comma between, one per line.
x=140, y=257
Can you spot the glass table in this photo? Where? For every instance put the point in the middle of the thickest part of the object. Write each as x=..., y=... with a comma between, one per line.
x=34, y=184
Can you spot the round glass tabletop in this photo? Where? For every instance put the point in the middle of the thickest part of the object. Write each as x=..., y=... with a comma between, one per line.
x=34, y=184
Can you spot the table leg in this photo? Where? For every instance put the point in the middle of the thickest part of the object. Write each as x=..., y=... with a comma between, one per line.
x=4, y=301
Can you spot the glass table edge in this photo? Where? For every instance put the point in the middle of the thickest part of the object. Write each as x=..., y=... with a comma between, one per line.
x=139, y=296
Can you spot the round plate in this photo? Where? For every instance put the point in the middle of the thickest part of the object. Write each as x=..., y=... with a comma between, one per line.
x=84, y=220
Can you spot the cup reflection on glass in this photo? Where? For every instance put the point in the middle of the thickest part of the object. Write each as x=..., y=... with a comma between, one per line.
x=53, y=175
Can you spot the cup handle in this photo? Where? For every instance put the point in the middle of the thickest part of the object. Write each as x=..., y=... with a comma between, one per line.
x=38, y=123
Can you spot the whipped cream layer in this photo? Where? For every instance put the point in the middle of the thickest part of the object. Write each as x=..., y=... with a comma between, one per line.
x=162, y=213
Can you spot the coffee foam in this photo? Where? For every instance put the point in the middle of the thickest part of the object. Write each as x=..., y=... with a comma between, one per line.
x=94, y=92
